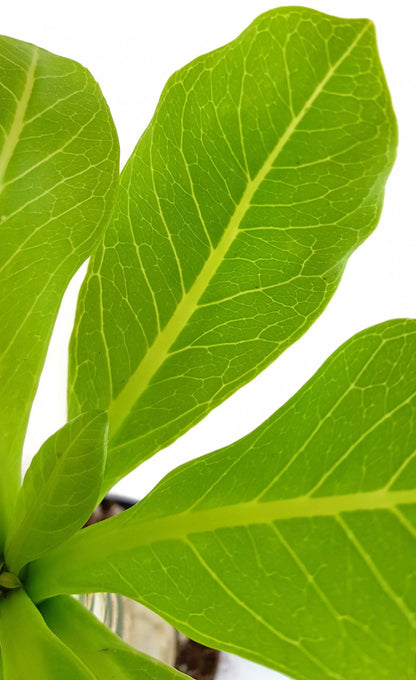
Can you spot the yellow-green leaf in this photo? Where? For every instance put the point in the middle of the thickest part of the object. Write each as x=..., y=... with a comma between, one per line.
x=58, y=175
x=60, y=490
x=104, y=653
x=294, y=547
x=260, y=173
x=29, y=649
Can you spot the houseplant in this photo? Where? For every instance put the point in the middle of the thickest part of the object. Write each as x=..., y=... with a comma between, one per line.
x=230, y=548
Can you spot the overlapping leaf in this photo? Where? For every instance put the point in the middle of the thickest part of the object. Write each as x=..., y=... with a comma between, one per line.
x=60, y=490
x=29, y=649
x=58, y=170
x=104, y=653
x=262, y=170
x=296, y=546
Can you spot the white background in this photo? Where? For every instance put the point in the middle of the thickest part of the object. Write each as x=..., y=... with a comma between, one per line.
x=131, y=47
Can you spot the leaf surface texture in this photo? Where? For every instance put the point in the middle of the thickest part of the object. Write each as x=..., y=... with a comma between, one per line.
x=60, y=490
x=295, y=546
x=58, y=174
x=261, y=171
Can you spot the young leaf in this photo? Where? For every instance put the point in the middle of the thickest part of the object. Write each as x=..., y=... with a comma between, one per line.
x=58, y=170
x=261, y=171
x=29, y=649
x=9, y=581
x=105, y=654
x=60, y=490
x=294, y=547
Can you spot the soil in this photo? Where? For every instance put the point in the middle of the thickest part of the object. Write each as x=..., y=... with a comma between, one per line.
x=192, y=658
x=196, y=660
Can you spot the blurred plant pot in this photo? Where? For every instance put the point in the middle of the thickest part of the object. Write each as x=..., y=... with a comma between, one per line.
x=142, y=628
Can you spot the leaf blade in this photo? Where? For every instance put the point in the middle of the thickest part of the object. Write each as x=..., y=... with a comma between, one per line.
x=60, y=490
x=45, y=657
x=269, y=215
x=58, y=171
x=295, y=544
x=66, y=617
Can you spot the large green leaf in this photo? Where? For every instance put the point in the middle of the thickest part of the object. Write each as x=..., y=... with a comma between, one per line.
x=60, y=490
x=261, y=171
x=105, y=654
x=295, y=546
x=58, y=166
x=29, y=649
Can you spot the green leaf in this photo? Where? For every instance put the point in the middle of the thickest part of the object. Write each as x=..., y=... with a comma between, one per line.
x=261, y=171
x=58, y=170
x=29, y=649
x=60, y=490
x=105, y=654
x=294, y=547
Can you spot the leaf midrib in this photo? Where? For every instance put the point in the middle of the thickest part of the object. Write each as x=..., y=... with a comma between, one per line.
x=138, y=382
x=13, y=136
x=128, y=532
